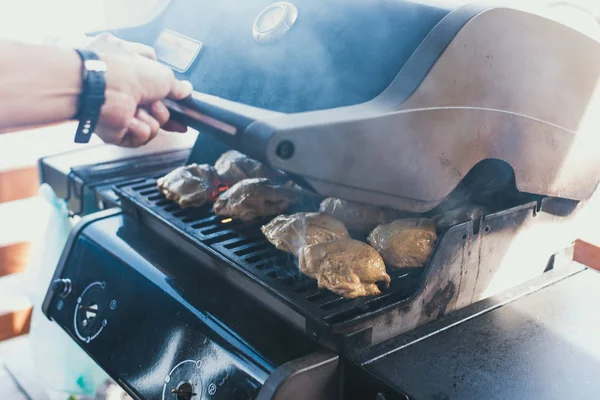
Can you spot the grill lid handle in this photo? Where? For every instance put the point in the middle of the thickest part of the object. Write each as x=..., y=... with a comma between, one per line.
x=220, y=117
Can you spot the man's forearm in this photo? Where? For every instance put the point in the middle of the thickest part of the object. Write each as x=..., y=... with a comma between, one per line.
x=38, y=84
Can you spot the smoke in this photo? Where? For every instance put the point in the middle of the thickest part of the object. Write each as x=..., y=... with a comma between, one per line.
x=339, y=52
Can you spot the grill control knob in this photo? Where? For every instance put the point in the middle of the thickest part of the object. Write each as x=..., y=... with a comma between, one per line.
x=62, y=287
x=184, y=391
x=184, y=382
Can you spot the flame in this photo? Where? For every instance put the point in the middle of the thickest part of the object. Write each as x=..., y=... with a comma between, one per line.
x=220, y=189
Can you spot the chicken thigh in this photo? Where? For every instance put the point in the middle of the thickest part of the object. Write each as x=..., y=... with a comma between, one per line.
x=347, y=267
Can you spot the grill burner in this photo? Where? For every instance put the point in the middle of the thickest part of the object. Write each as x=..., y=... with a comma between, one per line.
x=244, y=245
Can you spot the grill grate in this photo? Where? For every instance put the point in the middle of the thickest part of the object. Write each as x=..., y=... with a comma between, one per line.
x=244, y=245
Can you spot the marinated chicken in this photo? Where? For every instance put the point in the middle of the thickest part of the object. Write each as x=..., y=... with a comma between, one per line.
x=346, y=266
x=234, y=166
x=254, y=198
x=457, y=216
x=291, y=232
x=357, y=216
x=190, y=186
x=405, y=242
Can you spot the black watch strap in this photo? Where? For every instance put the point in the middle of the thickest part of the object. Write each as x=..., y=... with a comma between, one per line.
x=92, y=94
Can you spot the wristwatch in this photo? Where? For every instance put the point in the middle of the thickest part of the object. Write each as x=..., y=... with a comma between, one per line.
x=92, y=94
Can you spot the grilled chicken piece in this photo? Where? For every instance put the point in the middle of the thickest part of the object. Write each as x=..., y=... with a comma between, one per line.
x=357, y=216
x=234, y=166
x=254, y=198
x=190, y=186
x=346, y=266
x=457, y=216
x=404, y=242
x=291, y=232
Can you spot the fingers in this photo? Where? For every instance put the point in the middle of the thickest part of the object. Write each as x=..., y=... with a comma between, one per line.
x=180, y=90
x=138, y=134
x=142, y=129
x=159, y=112
x=148, y=119
x=154, y=125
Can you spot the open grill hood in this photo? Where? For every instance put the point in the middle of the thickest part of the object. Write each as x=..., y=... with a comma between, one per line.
x=392, y=103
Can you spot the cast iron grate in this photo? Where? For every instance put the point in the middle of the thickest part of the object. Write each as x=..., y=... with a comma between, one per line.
x=244, y=245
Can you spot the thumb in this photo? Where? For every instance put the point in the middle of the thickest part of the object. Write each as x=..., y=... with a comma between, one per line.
x=180, y=90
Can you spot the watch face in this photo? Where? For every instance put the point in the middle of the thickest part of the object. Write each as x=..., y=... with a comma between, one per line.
x=95, y=65
x=176, y=50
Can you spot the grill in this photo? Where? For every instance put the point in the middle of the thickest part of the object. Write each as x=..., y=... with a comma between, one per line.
x=387, y=103
x=243, y=247
x=411, y=105
x=240, y=253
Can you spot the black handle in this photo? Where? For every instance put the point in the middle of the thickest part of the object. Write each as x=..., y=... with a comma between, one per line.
x=201, y=111
x=222, y=119
x=200, y=114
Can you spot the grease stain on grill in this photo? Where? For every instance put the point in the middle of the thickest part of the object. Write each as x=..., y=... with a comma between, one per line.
x=440, y=300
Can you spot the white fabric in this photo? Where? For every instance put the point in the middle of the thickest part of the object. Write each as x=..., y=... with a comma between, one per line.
x=62, y=366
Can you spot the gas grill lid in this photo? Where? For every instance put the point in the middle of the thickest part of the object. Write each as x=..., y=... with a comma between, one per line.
x=336, y=53
x=399, y=119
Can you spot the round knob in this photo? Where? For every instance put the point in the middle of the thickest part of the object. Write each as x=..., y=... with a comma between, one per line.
x=285, y=150
x=62, y=287
x=274, y=21
x=184, y=391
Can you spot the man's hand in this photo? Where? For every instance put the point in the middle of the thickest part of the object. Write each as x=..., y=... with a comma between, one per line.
x=41, y=85
x=133, y=112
